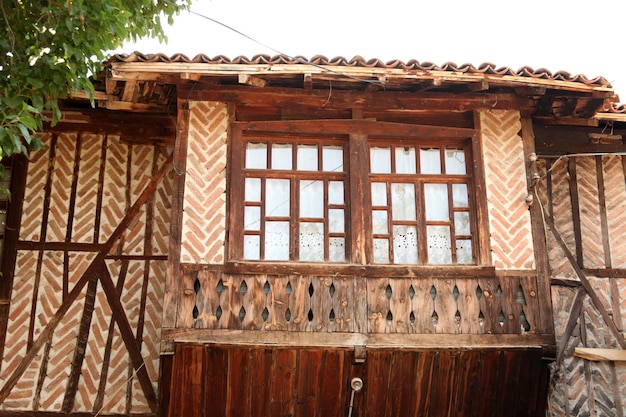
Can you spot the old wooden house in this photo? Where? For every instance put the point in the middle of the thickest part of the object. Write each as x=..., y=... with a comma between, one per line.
x=279, y=236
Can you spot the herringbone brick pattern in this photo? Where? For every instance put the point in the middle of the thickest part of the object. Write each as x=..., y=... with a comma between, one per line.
x=114, y=191
x=141, y=172
x=615, y=195
x=35, y=190
x=593, y=251
x=511, y=237
x=87, y=189
x=61, y=187
x=162, y=209
x=204, y=205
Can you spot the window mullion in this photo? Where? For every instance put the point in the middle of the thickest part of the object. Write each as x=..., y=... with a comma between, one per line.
x=360, y=204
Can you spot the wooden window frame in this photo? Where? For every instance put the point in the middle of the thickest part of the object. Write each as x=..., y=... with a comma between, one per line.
x=359, y=246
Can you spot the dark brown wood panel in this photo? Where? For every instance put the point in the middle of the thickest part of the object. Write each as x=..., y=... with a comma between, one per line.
x=242, y=380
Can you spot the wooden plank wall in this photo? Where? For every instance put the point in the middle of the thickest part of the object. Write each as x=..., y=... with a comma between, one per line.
x=79, y=190
x=586, y=198
x=272, y=381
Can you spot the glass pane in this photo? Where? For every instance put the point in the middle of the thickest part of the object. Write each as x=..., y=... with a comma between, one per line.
x=430, y=163
x=461, y=223
x=379, y=222
x=436, y=196
x=380, y=160
x=253, y=189
x=312, y=199
x=252, y=247
x=335, y=192
x=403, y=201
x=379, y=194
x=336, y=221
x=277, y=241
x=459, y=195
x=336, y=249
x=312, y=242
x=404, y=244
x=464, y=251
x=381, y=251
x=307, y=157
x=281, y=156
x=455, y=161
x=405, y=160
x=332, y=158
x=276, y=197
x=439, y=249
x=252, y=218
x=256, y=155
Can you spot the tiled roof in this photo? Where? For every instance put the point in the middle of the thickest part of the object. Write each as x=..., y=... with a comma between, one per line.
x=485, y=68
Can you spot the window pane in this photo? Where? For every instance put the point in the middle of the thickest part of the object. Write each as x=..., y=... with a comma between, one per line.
x=464, y=251
x=461, y=223
x=379, y=194
x=252, y=218
x=403, y=201
x=436, y=196
x=276, y=197
x=405, y=244
x=312, y=242
x=307, y=157
x=455, y=161
x=332, y=158
x=251, y=247
x=335, y=192
x=381, y=251
x=253, y=189
x=379, y=222
x=336, y=249
x=380, y=160
x=256, y=155
x=277, y=241
x=281, y=156
x=405, y=160
x=312, y=199
x=336, y=221
x=439, y=249
x=459, y=195
x=430, y=163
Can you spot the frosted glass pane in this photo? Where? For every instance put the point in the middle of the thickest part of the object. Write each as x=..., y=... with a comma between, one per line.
x=335, y=192
x=379, y=194
x=336, y=249
x=253, y=189
x=464, y=251
x=256, y=155
x=312, y=199
x=430, y=163
x=276, y=197
x=405, y=160
x=252, y=218
x=380, y=160
x=281, y=156
x=459, y=195
x=332, y=158
x=405, y=244
x=381, y=251
x=403, y=201
x=436, y=196
x=439, y=249
x=461, y=223
x=307, y=157
x=379, y=222
x=277, y=241
x=312, y=242
x=455, y=161
x=336, y=221
x=251, y=247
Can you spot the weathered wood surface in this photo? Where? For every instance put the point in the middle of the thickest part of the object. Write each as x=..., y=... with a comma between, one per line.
x=214, y=380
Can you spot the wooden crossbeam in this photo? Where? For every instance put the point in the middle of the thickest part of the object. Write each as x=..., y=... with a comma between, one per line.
x=594, y=354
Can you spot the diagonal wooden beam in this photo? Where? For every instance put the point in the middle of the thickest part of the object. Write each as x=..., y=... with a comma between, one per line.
x=584, y=281
x=80, y=284
x=574, y=313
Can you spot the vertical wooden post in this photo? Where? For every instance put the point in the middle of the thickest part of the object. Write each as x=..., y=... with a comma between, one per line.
x=482, y=211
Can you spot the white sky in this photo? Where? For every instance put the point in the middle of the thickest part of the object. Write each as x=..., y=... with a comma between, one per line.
x=577, y=36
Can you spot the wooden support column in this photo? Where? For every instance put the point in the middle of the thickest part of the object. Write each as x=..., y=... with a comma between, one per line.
x=482, y=211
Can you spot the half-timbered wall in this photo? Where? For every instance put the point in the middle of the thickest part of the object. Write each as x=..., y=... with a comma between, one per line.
x=83, y=330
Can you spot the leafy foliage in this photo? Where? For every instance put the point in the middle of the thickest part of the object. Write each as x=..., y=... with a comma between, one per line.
x=50, y=48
